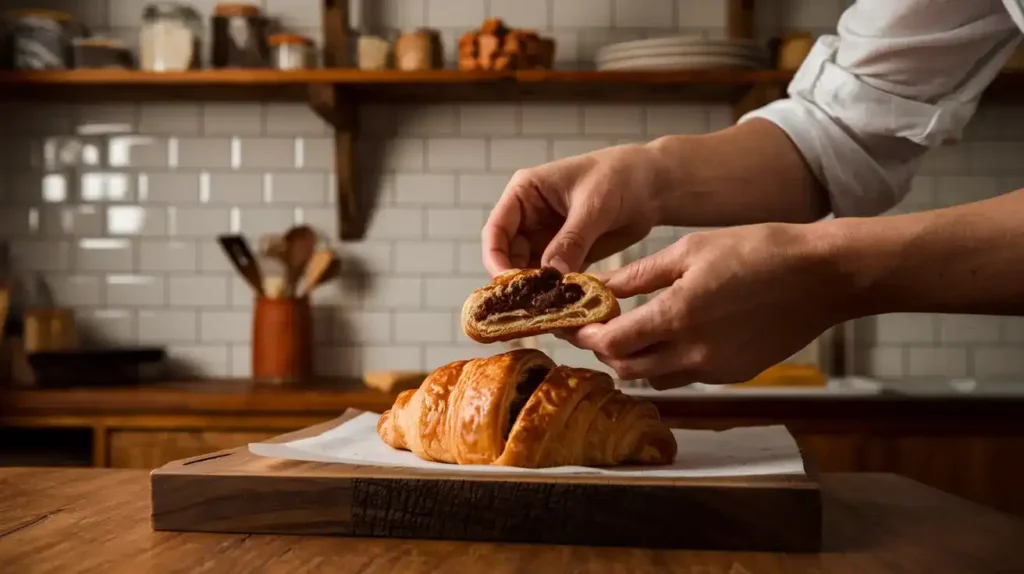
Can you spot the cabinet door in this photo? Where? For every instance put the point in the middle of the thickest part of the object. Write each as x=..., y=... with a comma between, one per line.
x=153, y=448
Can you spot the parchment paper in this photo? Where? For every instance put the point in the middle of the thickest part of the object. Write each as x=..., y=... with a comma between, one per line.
x=751, y=451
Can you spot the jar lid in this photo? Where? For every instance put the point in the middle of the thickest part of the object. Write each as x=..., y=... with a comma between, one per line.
x=240, y=9
x=278, y=39
x=55, y=15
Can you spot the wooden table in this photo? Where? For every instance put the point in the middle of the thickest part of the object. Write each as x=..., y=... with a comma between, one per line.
x=98, y=520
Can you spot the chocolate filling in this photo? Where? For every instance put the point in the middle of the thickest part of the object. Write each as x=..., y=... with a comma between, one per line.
x=537, y=295
x=524, y=390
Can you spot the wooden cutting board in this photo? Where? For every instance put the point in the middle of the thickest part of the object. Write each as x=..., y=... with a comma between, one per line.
x=236, y=491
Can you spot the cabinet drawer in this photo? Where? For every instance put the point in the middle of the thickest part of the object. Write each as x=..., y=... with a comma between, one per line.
x=152, y=448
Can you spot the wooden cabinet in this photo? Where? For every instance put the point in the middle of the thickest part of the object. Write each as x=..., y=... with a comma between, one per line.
x=969, y=447
x=152, y=448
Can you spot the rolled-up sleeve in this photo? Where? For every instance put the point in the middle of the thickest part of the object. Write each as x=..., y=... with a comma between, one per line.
x=897, y=79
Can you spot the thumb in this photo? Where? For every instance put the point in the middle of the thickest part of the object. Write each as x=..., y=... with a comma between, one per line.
x=646, y=275
x=568, y=249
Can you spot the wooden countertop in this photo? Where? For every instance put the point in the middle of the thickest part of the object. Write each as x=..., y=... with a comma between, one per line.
x=328, y=398
x=78, y=520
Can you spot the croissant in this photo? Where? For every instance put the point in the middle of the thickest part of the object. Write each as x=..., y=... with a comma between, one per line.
x=519, y=409
x=525, y=302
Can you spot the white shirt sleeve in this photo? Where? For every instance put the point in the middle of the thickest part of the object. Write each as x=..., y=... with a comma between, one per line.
x=900, y=77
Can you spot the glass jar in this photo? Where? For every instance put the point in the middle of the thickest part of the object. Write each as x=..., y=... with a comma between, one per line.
x=169, y=38
x=291, y=52
x=40, y=39
x=240, y=37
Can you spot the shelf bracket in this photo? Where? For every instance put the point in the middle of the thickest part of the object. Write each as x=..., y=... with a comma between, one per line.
x=339, y=110
x=330, y=103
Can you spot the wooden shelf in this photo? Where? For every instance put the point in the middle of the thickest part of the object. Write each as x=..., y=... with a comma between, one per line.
x=726, y=86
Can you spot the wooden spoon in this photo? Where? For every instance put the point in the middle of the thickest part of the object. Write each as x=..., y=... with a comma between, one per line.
x=300, y=243
x=318, y=266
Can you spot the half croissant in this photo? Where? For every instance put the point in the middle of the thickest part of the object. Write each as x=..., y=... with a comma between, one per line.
x=526, y=302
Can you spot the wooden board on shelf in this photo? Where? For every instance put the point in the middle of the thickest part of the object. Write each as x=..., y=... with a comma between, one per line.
x=388, y=86
x=236, y=491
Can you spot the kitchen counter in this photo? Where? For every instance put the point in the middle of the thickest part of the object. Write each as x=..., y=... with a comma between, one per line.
x=93, y=520
x=968, y=444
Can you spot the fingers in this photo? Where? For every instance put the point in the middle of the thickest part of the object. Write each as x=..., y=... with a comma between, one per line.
x=648, y=324
x=501, y=229
x=666, y=365
x=520, y=252
x=647, y=274
x=569, y=248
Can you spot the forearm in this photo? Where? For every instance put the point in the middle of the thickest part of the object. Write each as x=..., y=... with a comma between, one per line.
x=749, y=173
x=963, y=259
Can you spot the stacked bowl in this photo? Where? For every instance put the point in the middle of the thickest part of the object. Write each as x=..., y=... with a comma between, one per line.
x=681, y=53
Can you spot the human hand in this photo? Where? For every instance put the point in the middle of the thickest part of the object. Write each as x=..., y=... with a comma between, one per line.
x=571, y=212
x=735, y=301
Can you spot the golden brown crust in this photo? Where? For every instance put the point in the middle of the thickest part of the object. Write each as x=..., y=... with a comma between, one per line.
x=597, y=305
x=461, y=414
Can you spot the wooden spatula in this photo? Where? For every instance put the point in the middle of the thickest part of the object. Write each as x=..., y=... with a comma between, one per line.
x=238, y=252
x=300, y=244
x=315, y=270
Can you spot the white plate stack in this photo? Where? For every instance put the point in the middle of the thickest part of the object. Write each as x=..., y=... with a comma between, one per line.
x=681, y=53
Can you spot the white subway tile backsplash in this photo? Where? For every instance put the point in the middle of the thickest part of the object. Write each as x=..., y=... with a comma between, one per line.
x=169, y=187
x=179, y=118
x=703, y=13
x=363, y=327
x=455, y=223
x=163, y=255
x=431, y=120
x=998, y=362
x=74, y=290
x=403, y=154
x=104, y=254
x=205, y=222
x=454, y=13
x=666, y=120
x=423, y=327
x=209, y=360
x=197, y=291
x=268, y=153
x=509, y=153
x=161, y=180
x=291, y=188
x=620, y=119
x=395, y=358
x=483, y=190
x=211, y=153
x=471, y=258
x=394, y=293
x=317, y=153
x=565, y=148
x=968, y=329
x=232, y=188
x=533, y=14
x=135, y=290
x=425, y=257
x=439, y=355
x=240, y=357
x=451, y=292
x=105, y=327
x=234, y=119
x=225, y=326
x=158, y=326
x=647, y=14
x=397, y=223
x=424, y=189
x=457, y=154
x=488, y=119
x=548, y=119
x=937, y=362
x=590, y=14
